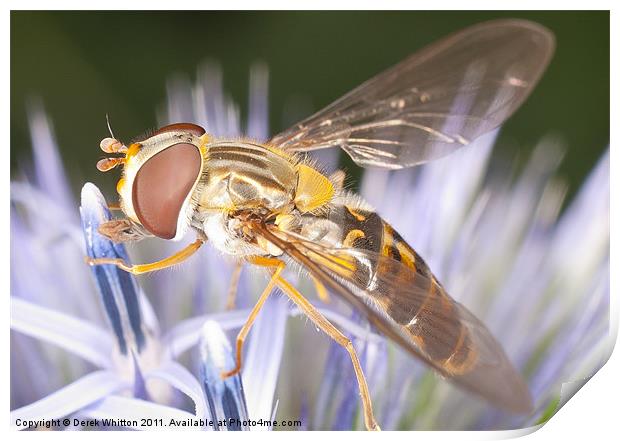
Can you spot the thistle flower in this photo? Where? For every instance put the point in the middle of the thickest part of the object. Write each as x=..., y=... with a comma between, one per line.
x=98, y=343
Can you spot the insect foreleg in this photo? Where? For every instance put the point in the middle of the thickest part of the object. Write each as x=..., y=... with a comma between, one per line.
x=325, y=325
x=149, y=267
x=122, y=230
x=231, y=297
x=243, y=333
x=114, y=207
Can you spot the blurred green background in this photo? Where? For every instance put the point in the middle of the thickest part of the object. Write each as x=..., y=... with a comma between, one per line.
x=86, y=64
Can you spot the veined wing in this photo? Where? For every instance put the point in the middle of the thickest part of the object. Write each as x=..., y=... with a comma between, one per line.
x=416, y=312
x=433, y=102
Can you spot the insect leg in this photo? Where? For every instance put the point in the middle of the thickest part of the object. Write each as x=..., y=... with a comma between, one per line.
x=319, y=320
x=243, y=333
x=148, y=267
x=114, y=207
x=234, y=286
x=321, y=291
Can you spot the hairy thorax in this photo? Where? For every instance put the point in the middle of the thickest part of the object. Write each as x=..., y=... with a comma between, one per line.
x=243, y=178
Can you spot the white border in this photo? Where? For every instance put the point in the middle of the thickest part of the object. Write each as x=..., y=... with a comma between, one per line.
x=592, y=413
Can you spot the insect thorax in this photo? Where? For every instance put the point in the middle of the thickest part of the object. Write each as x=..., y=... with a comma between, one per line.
x=240, y=176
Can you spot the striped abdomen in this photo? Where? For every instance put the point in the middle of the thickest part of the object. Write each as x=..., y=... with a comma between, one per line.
x=401, y=283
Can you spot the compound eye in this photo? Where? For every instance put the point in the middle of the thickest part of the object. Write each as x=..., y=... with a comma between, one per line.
x=162, y=185
x=194, y=129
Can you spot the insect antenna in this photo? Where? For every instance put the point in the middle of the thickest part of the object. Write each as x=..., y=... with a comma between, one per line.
x=111, y=145
x=107, y=119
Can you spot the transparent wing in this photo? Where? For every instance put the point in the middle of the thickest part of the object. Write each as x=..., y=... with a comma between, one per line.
x=433, y=102
x=415, y=312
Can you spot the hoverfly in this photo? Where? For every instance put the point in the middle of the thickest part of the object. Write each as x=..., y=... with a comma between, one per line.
x=265, y=204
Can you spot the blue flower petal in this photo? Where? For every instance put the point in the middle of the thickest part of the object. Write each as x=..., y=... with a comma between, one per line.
x=139, y=385
x=71, y=398
x=180, y=378
x=117, y=288
x=186, y=334
x=81, y=338
x=263, y=360
x=258, y=107
x=225, y=397
x=48, y=164
x=132, y=409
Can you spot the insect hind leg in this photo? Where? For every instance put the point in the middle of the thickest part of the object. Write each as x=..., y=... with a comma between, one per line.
x=321, y=291
x=325, y=325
